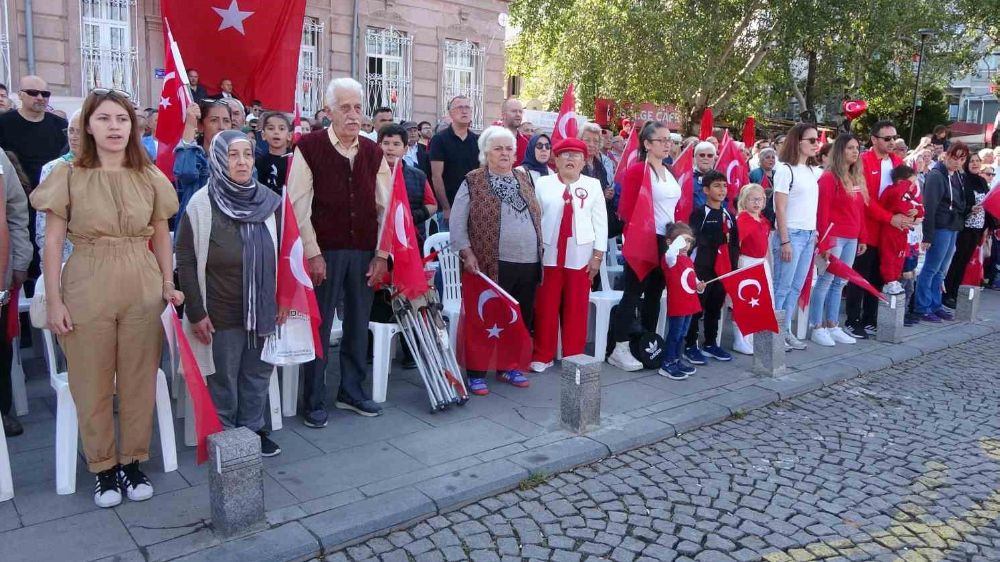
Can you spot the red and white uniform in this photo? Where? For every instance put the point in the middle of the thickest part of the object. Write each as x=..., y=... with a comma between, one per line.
x=574, y=225
x=682, y=287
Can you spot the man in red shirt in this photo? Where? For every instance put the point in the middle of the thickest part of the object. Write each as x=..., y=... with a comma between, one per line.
x=862, y=307
x=512, y=111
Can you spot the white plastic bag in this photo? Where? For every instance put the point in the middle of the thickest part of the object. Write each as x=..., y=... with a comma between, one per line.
x=291, y=344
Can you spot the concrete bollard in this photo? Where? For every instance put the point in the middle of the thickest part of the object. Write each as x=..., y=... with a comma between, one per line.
x=769, y=349
x=580, y=393
x=890, y=319
x=236, y=482
x=967, y=303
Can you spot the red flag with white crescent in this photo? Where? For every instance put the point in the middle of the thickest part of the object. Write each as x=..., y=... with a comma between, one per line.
x=491, y=331
x=750, y=291
x=566, y=126
x=399, y=239
x=640, y=248
x=735, y=168
x=175, y=97
x=683, y=170
x=629, y=155
x=295, y=289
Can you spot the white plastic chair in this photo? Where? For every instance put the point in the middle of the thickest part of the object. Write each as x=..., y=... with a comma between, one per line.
x=67, y=429
x=17, y=378
x=382, y=334
x=451, y=275
x=6, y=481
x=603, y=301
x=614, y=268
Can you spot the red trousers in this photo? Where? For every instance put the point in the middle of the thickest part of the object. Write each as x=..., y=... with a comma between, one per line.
x=566, y=291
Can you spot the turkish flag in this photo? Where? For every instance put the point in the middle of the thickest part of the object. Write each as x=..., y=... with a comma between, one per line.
x=640, y=248
x=753, y=308
x=749, y=132
x=807, y=288
x=723, y=261
x=296, y=127
x=735, y=168
x=206, y=418
x=295, y=289
x=491, y=331
x=254, y=43
x=399, y=238
x=707, y=124
x=974, y=271
x=174, y=101
x=629, y=156
x=683, y=170
x=992, y=202
x=844, y=271
x=566, y=126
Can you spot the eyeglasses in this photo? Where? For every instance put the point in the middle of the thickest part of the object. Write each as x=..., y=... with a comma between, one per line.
x=706, y=155
x=755, y=200
x=661, y=139
x=35, y=93
x=462, y=107
x=811, y=140
x=990, y=174
x=572, y=155
x=111, y=92
x=543, y=146
x=889, y=138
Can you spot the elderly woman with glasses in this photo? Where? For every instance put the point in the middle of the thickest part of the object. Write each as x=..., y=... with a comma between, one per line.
x=496, y=229
x=105, y=305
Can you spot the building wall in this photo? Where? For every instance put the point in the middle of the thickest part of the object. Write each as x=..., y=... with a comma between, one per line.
x=57, y=30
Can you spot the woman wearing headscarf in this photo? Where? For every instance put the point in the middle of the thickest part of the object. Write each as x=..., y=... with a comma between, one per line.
x=227, y=262
x=537, y=157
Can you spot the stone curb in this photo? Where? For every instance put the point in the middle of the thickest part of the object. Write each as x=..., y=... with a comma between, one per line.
x=326, y=532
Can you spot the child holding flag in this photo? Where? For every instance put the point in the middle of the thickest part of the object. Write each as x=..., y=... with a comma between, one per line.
x=715, y=249
x=682, y=300
x=753, y=230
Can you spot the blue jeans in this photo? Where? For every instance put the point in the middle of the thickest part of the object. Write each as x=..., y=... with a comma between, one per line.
x=677, y=329
x=790, y=276
x=824, y=305
x=936, y=263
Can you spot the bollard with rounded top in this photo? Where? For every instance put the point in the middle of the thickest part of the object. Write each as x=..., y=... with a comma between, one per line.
x=967, y=303
x=890, y=318
x=580, y=393
x=769, y=349
x=236, y=482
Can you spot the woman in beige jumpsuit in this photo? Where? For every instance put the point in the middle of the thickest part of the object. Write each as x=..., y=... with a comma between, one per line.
x=105, y=306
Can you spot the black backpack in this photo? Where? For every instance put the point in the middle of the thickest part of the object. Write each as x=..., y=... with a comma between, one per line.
x=769, y=205
x=647, y=347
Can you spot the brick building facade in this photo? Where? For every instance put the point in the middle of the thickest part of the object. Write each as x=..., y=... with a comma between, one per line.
x=412, y=55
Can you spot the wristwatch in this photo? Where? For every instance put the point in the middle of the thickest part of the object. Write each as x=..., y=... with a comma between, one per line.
x=4, y=297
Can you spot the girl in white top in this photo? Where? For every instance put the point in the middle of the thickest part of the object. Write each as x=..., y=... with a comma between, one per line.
x=575, y=236
x=796, y=197
x=642, y=297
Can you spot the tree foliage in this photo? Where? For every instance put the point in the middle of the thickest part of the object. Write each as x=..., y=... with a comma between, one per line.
x=745, y=57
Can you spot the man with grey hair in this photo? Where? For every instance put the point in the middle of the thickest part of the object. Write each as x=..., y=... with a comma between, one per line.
x=454, y=152
x=239, y=113
x=512, y=111
x=339, y=185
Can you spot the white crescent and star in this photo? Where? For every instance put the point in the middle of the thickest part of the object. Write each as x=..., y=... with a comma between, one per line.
x=748, y=283
x=851, y=106
x=399, y=221
x=563, y=122
x=232, y=17
x=484, y=298
x=685, y=284
x=297, y=263
x=729, y=171
x=494, y=332
x=164, y=102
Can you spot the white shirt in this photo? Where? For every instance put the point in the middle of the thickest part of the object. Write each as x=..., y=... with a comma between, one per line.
x=411, y=156
x=666, y=194
x=370, y=136
x=590, y=219
x=886, y=180
x=802, y=191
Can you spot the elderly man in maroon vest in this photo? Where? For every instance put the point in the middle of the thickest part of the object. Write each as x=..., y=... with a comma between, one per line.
x=339, y=186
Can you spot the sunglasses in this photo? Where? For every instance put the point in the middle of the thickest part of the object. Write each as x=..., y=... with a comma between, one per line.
x=811, y=140
x=35, y=93
x=543, y=146
x=706, y=155
x=111, y=92
x=889, y=138
x=990, y=174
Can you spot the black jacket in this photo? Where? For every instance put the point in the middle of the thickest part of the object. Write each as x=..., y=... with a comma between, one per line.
x=706, y=223
x=944, y=202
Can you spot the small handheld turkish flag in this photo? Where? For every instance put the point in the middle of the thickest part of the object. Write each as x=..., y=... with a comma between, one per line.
x=844, y=271
x=399, y=238
x=629, y=156
x=683, y=170
x=491, y=331
x=753, y=308
x=723, y=260
x=295, y=289
x=174, y=101
x=732, y=164
x=566, y=126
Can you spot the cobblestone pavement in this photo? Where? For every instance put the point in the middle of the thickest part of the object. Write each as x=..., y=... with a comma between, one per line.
x=898, y=465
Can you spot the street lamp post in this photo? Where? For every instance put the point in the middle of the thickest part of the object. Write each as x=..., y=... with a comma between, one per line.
x=924, y=34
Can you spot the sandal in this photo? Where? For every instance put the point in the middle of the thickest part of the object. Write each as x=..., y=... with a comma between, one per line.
x=514, y=378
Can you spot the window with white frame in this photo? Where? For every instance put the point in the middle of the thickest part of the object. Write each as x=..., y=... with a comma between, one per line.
x=5, y=74
x=388, y=72
x=106, y=45
x=464, y=74
x=310, y=93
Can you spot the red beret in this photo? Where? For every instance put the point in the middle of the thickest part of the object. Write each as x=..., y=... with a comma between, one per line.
x=570, y=145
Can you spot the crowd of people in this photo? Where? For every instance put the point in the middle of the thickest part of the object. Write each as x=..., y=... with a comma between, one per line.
x=535, y=216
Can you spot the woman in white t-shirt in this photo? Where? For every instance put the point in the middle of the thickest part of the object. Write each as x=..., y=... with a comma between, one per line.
x=643, y=294
x=796, y=196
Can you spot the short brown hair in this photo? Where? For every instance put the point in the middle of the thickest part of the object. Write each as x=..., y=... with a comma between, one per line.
x=958, y=149
x=136, y=157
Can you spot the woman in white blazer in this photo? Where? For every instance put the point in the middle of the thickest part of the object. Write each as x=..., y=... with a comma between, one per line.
x=575, y=232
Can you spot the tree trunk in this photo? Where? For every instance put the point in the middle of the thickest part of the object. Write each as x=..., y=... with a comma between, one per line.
x=810, y=105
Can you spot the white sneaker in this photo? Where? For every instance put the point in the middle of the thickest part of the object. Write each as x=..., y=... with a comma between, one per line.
x=622, y=358
x=893, y=288
x=822, y=337
x=840, y=336
x=134, y=482
x=741, y=345
x=107, y=492
x=539, y=367
x=792, y=342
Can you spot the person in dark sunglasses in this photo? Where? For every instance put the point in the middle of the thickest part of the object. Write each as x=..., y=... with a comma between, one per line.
x=34, y=134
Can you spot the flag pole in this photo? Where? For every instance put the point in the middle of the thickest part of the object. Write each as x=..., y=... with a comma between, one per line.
x=496, y=286
x=731, y=273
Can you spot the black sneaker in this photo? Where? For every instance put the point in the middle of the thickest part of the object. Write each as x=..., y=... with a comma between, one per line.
x=12, y=427
x=871, y=330
x=268, y=448
x=107, y=492
x=315, y=420
x=134, y=482
x=367, y=408
x=857, y=332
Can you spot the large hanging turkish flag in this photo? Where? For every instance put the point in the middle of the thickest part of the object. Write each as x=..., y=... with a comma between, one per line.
x=254, y=43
